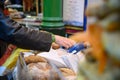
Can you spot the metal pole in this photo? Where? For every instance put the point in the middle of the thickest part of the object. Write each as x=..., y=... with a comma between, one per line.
x=52, y=16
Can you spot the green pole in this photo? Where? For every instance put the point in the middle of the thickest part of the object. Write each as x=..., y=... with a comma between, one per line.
x=52, y=16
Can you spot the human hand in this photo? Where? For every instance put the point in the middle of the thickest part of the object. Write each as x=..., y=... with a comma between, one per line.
x=7, y=2
x=55, y=46
x=11, y=47
x=63, y=41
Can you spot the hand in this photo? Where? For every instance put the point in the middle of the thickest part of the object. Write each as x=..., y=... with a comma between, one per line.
x=7, y=2
x=63, y=41
x=11, y=47
x=55, y=46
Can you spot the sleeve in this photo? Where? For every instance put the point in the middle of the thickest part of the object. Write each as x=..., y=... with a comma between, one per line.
x=28, y=38
x=31, y=39
x=24, y=37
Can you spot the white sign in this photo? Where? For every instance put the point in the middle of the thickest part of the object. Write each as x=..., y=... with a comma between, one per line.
x=73, y=12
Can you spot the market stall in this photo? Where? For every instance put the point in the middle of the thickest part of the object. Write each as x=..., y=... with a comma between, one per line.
x=94, y=56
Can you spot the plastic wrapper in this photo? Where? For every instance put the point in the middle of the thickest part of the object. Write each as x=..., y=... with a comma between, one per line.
x=58, y=69
x=62, y=59
x=25, y=72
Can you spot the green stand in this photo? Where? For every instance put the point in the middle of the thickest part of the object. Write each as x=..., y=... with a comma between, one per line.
x=52, y=17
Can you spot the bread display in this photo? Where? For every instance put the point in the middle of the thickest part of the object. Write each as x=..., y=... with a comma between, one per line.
x=38, y=67
x=39, y=71
x=34, y=59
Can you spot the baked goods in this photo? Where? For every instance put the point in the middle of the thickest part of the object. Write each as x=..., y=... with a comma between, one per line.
x=67, y=72
x=40, y=65
x=55, y=46
x=34, y=59
x=39, y=71
x=36, y=73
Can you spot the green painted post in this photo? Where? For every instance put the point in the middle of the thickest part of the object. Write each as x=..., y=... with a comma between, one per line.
x=52, y=17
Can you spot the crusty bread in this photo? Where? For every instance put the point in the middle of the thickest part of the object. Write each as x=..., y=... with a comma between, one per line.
x=34, y=59
x=40, y=65
x=67, y=72
x=36, y=71
x=55, y=46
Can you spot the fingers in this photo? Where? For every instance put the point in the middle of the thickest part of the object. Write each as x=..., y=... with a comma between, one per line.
x=65, y=42
x=68, y=43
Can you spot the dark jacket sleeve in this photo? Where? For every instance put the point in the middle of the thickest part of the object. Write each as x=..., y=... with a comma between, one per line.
x=31, y=39
x=23, y=37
